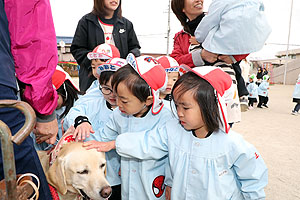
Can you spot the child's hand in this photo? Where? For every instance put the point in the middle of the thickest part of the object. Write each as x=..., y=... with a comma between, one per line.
x=209, y=56
x=193, y=40
x=83, y=131
x=100, y=146
x=168, y=192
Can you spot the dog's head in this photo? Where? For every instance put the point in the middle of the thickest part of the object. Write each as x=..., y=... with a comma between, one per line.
x=80, y=171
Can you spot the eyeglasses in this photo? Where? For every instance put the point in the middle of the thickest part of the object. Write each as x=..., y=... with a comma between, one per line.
x=105, y=90
x=104, y=60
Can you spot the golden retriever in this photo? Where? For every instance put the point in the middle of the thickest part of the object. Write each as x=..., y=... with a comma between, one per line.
x=77, y=172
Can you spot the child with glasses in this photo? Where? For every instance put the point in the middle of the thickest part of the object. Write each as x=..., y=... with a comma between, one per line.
x=93, y=112
x=100, y=55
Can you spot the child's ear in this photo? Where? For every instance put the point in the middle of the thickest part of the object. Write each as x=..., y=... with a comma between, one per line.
x=149, y=100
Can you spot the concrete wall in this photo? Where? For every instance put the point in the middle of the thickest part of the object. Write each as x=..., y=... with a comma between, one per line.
x=292, y=72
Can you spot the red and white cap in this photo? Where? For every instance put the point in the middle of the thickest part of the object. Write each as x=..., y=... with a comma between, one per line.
x=169, y=63
x=104, y=51
x=60, y=76
x=111, y=65
x=153, y=73
x=221, y=82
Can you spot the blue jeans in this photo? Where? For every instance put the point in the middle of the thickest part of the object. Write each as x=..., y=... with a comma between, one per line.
x=26, y=158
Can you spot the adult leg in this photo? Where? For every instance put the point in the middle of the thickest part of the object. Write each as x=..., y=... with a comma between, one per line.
x=26, y=158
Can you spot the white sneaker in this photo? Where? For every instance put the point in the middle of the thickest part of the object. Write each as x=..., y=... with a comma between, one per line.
x=294, y=113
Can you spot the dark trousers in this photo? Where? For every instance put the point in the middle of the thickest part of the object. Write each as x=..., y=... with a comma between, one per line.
x=297, y=107
x=116, y=193
x=251, y=101
x=241, y=86
x=262, y=100
x=26, y=158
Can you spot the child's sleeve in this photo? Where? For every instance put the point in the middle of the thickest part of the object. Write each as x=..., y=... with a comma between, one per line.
x=251, y=170
x=151, y=144
x=110, y=130
x=75, y=111
x=211, y=20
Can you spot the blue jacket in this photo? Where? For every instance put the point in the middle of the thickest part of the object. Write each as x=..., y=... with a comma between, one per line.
x=296, y=93
x=93, y=105
x=252, y=89
x=233, y=27
x=263, y=89
x=222, y=166
x=141, y=179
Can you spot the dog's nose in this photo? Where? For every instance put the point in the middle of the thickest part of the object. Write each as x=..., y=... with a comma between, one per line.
x=105, y=192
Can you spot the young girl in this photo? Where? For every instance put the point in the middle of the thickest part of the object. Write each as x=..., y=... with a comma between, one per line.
x=206, y=159
x=234, y=27
x=100, y=55
x=67, y=94
x=263, y=92
x=137, y=88
x=105, y=24
x=252, y=89
x=172, y=69
x=92, y=114
x=296, y=97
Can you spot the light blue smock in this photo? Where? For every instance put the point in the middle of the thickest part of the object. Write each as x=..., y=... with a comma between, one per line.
x=138, y=176
x=220, y=167
x=296, y=93
x=252, y=89
x=263, y=88
x=95, y=84
x=94, y=107
x=233, y=27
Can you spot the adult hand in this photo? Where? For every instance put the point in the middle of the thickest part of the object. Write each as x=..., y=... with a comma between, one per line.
x=46, y=131
x=83, y=131
x=225, y=58
x=209, y=56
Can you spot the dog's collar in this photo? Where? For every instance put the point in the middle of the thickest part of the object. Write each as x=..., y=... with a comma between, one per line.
x=66, y=138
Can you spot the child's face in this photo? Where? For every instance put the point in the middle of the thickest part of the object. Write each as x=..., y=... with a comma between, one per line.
x=188, y=111
x=128, y=103
x=95, y=63
x=250, y=80
x=172, y=78
x=108, y=93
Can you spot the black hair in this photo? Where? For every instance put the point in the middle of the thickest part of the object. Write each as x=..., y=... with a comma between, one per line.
x=69, y=94
x=204, y=94
x=100, y=10
x=105, y=76
x=133, y=81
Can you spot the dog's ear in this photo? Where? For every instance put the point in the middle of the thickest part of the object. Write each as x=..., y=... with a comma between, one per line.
x=56, y=175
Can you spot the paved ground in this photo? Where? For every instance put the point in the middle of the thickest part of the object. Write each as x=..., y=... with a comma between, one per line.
x=276, y=135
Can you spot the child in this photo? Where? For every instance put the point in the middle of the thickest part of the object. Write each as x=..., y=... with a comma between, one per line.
x=234, y=27
x=101, y=54
x=296, y=97
x=207, y=160
x=172, y=69
x=252, y=89
x=137, y=87
x=263, y=92
x=92, y=114
x=67, y=94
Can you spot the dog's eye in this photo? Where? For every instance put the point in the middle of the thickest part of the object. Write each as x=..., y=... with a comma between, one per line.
x=83, y=172
x=103, y=165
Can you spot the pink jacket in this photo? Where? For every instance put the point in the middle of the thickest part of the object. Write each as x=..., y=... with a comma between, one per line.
x=34, y=48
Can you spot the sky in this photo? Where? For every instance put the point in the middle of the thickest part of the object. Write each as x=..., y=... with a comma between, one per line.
x=150, y=21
